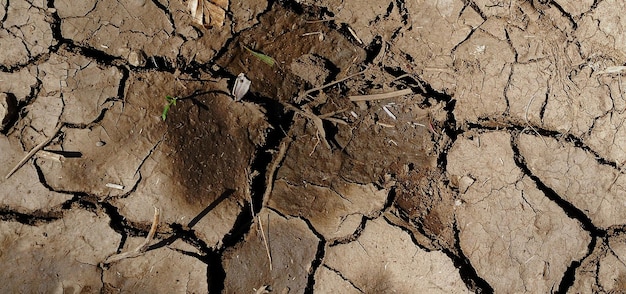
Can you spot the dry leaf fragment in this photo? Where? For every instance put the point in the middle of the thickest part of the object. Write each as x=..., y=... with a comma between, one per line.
x=208, y=13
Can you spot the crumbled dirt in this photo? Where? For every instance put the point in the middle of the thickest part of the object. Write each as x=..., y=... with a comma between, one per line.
x=494, y=163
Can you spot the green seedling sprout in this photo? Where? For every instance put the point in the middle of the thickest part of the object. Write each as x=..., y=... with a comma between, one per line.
x=270, y=61
x=170, y=101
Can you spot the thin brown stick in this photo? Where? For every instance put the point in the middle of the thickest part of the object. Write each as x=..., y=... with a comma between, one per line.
x=381, y=95
x=34, y=150
x=267, y=247
x=141, y=248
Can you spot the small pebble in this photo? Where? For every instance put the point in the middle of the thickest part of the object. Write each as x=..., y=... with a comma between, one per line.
x=100, y=143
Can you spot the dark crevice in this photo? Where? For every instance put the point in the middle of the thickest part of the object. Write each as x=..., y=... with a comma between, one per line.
x=391, y=198
x=34, y=218
x=515, y=56
x=567, y=281
x=318, y=259
x=467, y=272
x=389, y=10
x=564, y=13
x=544, y=105
x=568, y=208
x=451, y=131
x=209, y=256
x=215, y=272
x=279, y=121
x=242, y=225
x=153, y=62
x=11, y=113
x=373, y=49
x=338, y=273
x=404, y=13
x=417, y=226
x=418, y=85
x=475, y=7
x=185, y=234
x=129, y=229
x=486, y=124
x=55, y=27
x=352, y=237
x=117, y=222
x=42, y=179
x=6, y=12
x=122, y=85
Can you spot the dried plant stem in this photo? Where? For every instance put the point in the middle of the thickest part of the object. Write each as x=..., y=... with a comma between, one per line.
x=141, y=248
x=34, y=150
x=381, y=95
x=267, y=247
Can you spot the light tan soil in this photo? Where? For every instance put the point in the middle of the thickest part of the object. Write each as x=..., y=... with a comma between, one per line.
x=499, y=170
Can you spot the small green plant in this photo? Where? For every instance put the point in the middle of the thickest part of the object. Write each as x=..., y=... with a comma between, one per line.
x=170, y=102
x=270, y=61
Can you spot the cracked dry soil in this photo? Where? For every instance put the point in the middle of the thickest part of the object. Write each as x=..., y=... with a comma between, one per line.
x=500, y=169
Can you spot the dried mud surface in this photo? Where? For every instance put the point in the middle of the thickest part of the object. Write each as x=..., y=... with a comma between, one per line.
x=498, y=169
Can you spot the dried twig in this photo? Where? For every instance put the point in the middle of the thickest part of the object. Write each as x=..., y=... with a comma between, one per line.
x=381, y=95
x=34, y=150
x=141, y=248
x=612, y=70
x=50, y=155
x=267, y=247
